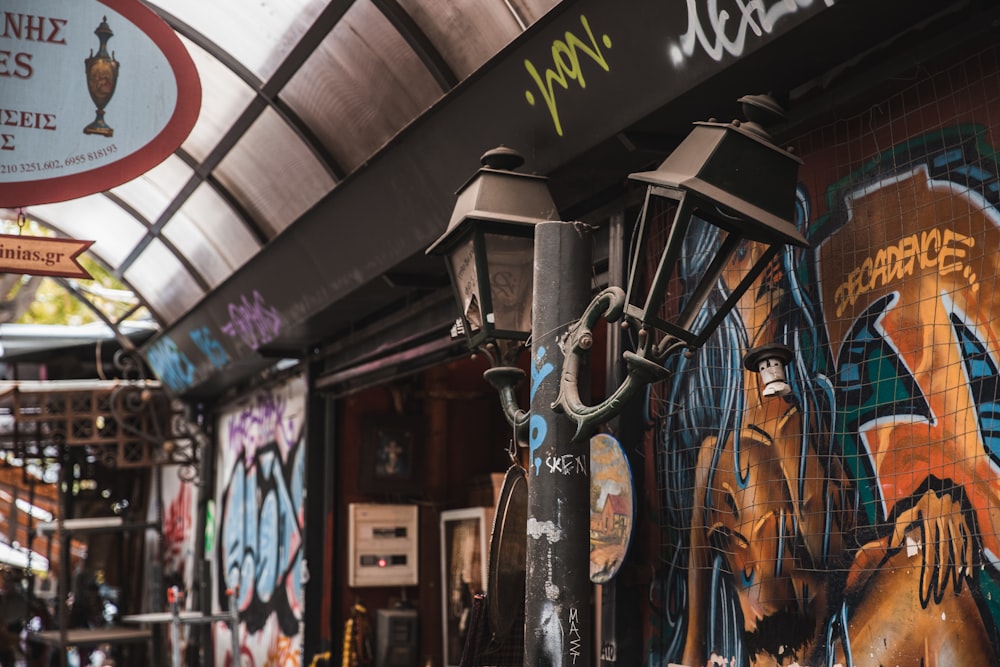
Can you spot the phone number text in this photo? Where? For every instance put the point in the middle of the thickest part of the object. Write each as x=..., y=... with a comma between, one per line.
x=48, y=165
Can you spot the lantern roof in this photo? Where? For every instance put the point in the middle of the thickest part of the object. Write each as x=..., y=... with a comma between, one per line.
x=740, y=171
x=501, y=198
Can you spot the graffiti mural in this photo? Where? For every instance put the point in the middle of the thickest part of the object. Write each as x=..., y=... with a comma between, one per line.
x=855, y=521
x=260, y=524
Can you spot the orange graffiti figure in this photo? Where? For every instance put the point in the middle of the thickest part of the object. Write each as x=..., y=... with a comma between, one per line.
x=772, y=503
x=783, y=524
x=775, y=534
x=945, y=280
x=776, y=507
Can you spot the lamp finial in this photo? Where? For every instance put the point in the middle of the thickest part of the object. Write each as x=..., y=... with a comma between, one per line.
x=502, y=157
x=761, y=112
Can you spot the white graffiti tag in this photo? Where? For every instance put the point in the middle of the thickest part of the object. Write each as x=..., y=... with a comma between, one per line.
x=720, y=32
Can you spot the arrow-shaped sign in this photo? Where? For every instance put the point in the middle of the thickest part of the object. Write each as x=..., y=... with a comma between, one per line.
x=42, y=256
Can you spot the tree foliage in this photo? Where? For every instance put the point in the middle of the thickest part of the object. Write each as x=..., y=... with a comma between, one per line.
x=43, y=300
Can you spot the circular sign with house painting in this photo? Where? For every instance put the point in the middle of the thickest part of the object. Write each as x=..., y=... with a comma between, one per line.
x=612, y=507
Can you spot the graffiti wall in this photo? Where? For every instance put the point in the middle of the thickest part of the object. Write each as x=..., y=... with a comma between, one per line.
x=175, y=547
x=260, y=494
x=855, y=521
x=180, y=497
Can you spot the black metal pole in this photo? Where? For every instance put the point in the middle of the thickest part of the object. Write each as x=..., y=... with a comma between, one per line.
x=620, y=635
x=558, y=617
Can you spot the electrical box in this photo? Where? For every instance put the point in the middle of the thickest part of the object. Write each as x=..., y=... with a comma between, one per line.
x=382, y=545
x=396, y=640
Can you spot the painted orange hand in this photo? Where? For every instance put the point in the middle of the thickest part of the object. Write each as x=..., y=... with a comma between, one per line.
x=936, y=526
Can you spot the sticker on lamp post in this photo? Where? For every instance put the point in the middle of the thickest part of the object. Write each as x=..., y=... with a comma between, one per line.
x=42, y=256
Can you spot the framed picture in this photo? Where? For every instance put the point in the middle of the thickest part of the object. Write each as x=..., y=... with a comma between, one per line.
x=389, y=457
x=464, y=555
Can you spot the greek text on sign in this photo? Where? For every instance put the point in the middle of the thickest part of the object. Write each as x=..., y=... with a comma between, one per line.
x=93, y=93
x=42, y=256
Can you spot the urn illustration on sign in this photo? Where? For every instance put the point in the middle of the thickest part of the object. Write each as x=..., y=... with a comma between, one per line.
x=102, y=77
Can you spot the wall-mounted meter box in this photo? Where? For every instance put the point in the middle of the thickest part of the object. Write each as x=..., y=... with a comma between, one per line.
x=382, y=545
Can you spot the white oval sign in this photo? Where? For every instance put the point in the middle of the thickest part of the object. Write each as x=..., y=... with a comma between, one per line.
x=92, y=94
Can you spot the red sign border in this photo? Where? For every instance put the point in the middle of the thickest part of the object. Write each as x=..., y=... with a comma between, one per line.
x=62, y=188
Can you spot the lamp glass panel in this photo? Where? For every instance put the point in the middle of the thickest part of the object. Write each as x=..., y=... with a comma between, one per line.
x=511, y=265
x=466, y=279
x=690, y=291
x=658, y=218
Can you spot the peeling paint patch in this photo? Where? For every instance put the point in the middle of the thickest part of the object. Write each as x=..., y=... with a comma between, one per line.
x=538, y=529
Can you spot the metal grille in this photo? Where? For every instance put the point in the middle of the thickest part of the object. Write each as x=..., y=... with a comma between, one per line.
x=123, y=424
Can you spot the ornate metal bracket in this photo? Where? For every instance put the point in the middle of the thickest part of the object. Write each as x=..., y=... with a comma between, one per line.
x=643, y=365
x=505, y=380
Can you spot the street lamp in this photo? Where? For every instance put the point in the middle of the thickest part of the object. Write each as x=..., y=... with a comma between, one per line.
x=730, y=193
x=726, y=180
x=489, y=250
x=727, y=192
x=727, y=189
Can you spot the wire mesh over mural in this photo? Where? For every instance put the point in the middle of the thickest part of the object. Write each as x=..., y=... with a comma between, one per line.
x=855, y=521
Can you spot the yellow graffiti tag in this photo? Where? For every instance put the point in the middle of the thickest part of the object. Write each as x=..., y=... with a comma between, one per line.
x=566, y=63
x=941, y=249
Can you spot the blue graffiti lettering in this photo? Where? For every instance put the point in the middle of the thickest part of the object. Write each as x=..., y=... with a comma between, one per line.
x=541, y=371
x=170, y=364
x=261, y=541
x=538, y=427
x=207, y=343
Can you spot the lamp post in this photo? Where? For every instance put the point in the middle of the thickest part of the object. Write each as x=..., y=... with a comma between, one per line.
x=727, y=190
